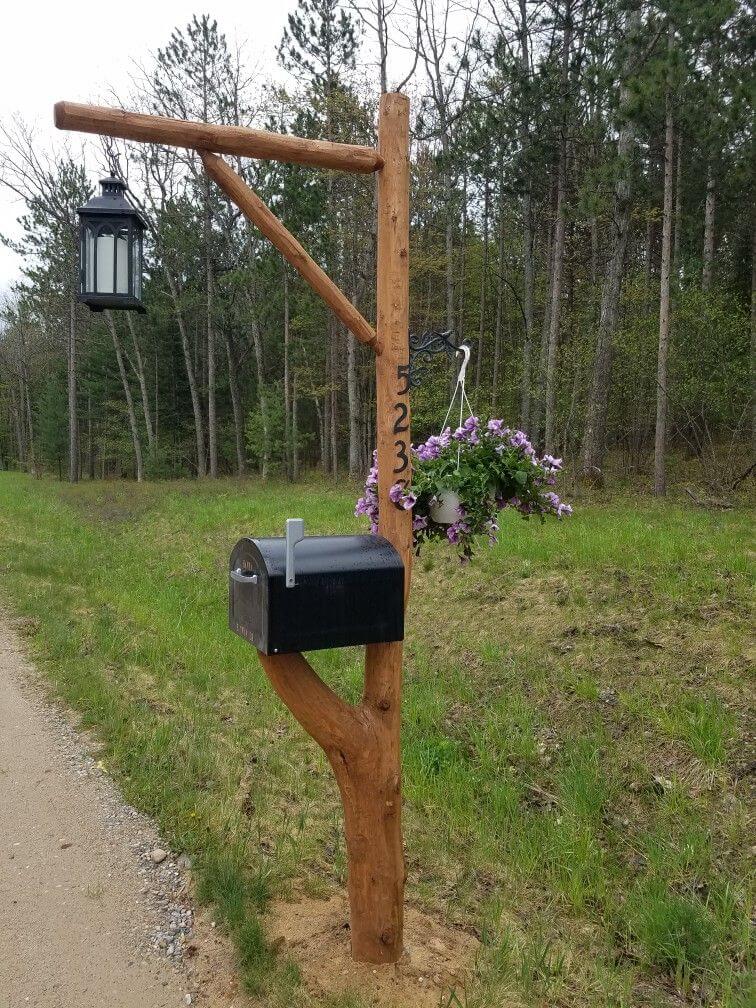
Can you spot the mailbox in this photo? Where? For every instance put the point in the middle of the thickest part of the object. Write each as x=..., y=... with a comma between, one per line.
x=302, y=593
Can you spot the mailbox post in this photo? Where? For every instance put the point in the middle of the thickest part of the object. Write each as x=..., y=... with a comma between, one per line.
x=362, y=741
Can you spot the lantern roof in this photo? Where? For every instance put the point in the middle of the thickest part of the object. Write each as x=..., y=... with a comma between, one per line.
x=112, y=202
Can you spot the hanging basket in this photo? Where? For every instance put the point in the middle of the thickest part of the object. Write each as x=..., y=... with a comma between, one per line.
x=463, y=479
x=446, y=510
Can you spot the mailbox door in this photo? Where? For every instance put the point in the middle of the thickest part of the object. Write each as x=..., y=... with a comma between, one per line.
x=248, y=595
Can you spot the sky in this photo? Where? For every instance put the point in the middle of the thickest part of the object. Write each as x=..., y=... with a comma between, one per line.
x=78, y=50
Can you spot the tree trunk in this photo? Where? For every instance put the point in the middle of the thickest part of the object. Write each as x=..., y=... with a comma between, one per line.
x=677, y=227
x=90, y=439
x=288, y=418
x=483, y=285
x=212, y=426
x=353, y=398
x=294, y=428
x=139, y=371
x=129, y=399
x=707, y=271
x=558, y=265
x=499, y=307
x=233, y=386
x=527, y=222
x=262, y=396
x=73, y=419
x=449, y=238
x=594, y=436
x=199, y=426
x=660, y=439
x=753, y=342
x=537, y=424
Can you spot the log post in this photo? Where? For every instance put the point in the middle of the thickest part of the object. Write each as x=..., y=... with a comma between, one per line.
x=363, y=743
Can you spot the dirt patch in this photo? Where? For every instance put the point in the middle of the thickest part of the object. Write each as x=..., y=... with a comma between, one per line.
x=438, y=959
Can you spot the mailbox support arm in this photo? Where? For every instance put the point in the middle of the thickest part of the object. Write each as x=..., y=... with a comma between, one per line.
x=334, y=724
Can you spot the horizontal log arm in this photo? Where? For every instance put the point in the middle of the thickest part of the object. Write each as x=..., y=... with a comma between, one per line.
x=239, y=140
x=253, y=207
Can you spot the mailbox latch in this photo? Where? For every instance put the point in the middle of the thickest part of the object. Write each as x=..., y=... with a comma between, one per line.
x=294, y=534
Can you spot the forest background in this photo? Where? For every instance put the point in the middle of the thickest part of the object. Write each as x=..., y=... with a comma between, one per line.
x=582, y=215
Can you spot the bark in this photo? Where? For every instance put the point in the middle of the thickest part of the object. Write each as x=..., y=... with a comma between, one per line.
x=138, y=367
x=499, y=306
x=191, y=373
x=262, y=398
x=594, y=437
x=483, y=285
x=287, y=377
x=558, y=264
x=212, y=426
x=660, y=438
x=294, y=429
x=333, y=397
x=527, y=222
x=537, y=424
x=28, y=423
x=707, y=271
x=90, y=439
x=353, y=400
x=127, y=393
x=677, y=217
x=753, y=342
x=233, y=386
x=73, y=419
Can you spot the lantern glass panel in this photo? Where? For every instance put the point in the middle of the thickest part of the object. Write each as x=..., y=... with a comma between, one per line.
x=136, y=267
x=122, y=261
x=89, y=259
x=105, y=261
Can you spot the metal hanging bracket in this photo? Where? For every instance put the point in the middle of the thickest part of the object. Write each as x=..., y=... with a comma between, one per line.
x=424, y=347
x=294, y=534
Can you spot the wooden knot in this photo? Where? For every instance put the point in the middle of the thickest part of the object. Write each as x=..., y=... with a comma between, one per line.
x=384, y=704
x=387, y=936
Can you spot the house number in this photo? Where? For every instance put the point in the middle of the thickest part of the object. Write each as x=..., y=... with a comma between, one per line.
x=400, y=424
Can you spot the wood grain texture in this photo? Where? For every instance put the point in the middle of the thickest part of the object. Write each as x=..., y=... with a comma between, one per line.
x=255, y=210
x=362, y=743
x=238, y=140
x=392, y=322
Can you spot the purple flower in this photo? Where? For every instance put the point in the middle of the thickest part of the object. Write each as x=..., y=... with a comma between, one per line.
x=408, y=501
x=498, y=427
x=419, y=522
x=452, y=533
x=396, y=492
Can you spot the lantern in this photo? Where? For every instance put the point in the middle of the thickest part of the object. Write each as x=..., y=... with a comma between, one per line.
x=111, y=250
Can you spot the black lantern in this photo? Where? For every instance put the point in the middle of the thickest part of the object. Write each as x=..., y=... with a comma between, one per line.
x=111, y=250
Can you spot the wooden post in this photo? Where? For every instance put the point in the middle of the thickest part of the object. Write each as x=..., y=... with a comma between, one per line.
x=372, y=810
x=363, y=743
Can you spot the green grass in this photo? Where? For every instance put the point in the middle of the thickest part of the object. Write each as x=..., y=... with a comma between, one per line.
x=575, y=729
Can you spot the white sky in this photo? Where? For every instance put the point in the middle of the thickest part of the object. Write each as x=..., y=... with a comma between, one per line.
x=79, y=50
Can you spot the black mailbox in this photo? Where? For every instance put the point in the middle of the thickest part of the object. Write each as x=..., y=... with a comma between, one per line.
x=302, y=593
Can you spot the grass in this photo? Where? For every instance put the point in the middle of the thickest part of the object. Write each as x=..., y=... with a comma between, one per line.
x=576, y=729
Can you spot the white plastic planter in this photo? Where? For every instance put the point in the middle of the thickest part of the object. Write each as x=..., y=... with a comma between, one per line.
x=444, y=511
